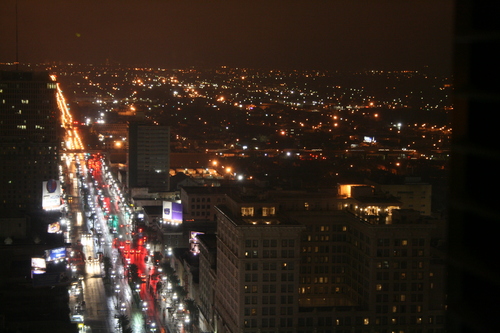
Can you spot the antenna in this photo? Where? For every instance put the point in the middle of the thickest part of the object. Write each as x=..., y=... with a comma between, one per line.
x=17, y=42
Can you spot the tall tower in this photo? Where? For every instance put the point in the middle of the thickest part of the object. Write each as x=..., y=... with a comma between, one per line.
x=257, y=268
x=29, y=138
x=149, y=157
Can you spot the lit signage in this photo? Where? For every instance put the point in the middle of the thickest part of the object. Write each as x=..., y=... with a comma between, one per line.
x=56, y=254
x=194, y=243
x=38, y=265
x=369, y=139
x=172, y=212
x=54, y=228
x=51, y=195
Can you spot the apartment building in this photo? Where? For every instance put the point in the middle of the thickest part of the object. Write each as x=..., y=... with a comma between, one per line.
x=257, y=268
x=322, y=271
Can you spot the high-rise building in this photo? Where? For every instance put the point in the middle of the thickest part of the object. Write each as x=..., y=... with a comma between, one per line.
x=149, y=157
x=207, y=281
x=306, y=271
x=374, y=277
x=29, y=138
x=199, y=202
x=257, y=268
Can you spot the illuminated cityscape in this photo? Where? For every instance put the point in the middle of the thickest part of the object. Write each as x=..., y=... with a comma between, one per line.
x=257, y=150
x=239, y=168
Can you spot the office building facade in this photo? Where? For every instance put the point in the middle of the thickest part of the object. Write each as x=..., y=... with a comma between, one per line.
x=323, y=271
x=257, y=268
x=30, y=138
x=149, y=157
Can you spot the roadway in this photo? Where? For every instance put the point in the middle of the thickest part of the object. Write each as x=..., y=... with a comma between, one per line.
x=99, y=295
x=106, y=294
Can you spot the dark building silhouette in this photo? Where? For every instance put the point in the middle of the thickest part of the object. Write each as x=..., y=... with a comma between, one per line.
x=149, y=156
x=473, y=277
x=30, y=141
x=29, y=138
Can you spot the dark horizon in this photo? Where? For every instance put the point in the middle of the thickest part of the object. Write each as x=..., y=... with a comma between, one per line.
x=333, y=35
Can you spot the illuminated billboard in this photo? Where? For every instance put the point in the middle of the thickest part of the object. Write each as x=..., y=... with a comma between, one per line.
x=54, y=228
x=55, y=254
x=51, y=195
x=172, y=212
x=38, y=265
x=194, y=246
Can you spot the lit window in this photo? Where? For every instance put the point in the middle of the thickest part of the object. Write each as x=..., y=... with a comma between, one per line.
x=247, y=211
x=268, y=211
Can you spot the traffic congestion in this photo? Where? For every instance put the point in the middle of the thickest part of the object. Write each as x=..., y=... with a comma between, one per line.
x=117, y=279
x=110, y=258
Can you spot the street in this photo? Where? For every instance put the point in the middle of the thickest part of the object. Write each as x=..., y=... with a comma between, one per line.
x=116, y=281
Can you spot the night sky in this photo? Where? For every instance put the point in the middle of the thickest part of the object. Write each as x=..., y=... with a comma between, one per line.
x=298, y=34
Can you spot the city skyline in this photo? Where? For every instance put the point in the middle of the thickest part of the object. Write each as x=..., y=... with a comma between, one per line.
x=57, y=35
x=357, y=34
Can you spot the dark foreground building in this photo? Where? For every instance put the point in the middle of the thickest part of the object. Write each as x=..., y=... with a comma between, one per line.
x=29, y=154
x=29, y=139
x=474, y=279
